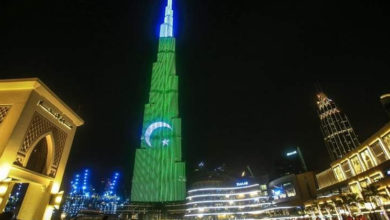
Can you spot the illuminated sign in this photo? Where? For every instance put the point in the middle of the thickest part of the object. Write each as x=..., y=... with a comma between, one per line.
x=244, y=183
x=56, y=115
x=153, y=127
x=291, y=153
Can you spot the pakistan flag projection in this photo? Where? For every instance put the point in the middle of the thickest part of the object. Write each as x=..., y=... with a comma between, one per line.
x=159, y=173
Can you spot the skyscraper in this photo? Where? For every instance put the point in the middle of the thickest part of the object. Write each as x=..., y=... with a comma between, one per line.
x=159, y=172
x=338, y=133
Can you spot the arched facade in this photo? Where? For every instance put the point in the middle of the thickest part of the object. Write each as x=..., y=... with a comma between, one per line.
x=36, y=134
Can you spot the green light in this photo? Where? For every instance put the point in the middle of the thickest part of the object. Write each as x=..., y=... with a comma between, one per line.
x=159, y=173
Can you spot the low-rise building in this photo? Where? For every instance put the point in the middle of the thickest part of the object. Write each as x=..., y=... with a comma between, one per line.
x=355, y=174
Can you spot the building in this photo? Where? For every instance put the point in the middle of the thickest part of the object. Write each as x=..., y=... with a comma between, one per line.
x=339, y=136
x=83, y=196
x=293, y=189
x=159, y=172
x=291, y=162
x=36, y=135
x=363, y=173
x=385, y=100
x=215, y=199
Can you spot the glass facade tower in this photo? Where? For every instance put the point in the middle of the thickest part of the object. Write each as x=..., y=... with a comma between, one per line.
x=339, y=136
x=159, y=172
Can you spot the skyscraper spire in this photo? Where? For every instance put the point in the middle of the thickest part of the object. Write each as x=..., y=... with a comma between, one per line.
x=339, y=135
x=159, y=170
x=166, y=28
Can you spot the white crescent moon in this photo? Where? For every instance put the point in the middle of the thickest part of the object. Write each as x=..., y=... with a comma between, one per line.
x=152, y=127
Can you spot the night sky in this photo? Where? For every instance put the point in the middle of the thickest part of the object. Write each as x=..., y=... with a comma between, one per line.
x=247, y=73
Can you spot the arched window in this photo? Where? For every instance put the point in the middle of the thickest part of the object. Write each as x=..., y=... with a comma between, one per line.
x=38, y=157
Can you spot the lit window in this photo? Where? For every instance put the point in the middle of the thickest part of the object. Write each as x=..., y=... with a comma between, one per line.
x=356, y=164
x=386, y=140
x=289, y=189
x=346, y=169
x=354, y=188
x=376, y=177
x=338, y=173
x=364, y=183
x=378, y=152
x=367, y=159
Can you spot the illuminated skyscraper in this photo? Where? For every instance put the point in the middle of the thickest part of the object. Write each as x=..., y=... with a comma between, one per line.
x=338, y=133
x=159, y=172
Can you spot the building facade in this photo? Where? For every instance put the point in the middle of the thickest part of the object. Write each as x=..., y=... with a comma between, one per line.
x=159, y=172
x=362, y=174
x=339, y=136
x=217, y=199
x=36, y=135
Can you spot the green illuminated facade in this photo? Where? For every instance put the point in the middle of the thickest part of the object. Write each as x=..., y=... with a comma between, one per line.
x=159, y=172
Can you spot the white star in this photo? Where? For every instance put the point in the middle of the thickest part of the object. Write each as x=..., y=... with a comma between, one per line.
x=165, y=142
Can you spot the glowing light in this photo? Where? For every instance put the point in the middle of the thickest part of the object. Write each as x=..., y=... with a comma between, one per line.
x=4, y=170
x=3, y=189
x=245, y=183
x=58, y=199
x=291, y=153
x=55, y=188
x=247, y=212
x=152, y=127
x=229, y=207
x=48, y=213
x=166, y=29
x=229, y=194
x=222, y=188
x=234, y=200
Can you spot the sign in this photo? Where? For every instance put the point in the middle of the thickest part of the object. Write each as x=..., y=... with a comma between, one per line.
x=244, y=183
x=291, y=153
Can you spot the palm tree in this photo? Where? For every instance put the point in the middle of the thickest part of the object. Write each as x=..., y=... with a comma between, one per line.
x=328, y=207
x=372, y=193
x=310, y=210
x=352, y=199
x=317, y=205
x=346, y=200
x=337, y=203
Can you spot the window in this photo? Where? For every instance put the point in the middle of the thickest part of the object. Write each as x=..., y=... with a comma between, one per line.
x=289, y=189
x=346, y=169
x=376, y=177
x=356, y=164
x=364, y=183
x=338, y=173
x=354, y=188
x=367, y=158
x=386, y=140
x=378, y=152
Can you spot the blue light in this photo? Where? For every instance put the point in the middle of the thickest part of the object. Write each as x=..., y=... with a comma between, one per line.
x=243, y=183
x=166, y=29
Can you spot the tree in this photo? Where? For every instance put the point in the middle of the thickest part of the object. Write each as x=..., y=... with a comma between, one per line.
x=337, y=203
x=352, y=199
x=373, y=195
x=328, y=207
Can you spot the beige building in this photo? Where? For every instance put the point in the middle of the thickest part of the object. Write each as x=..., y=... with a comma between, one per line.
x=368, y=164
x=36, y=135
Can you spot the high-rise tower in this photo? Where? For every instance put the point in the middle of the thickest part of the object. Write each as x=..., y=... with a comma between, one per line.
x=338, y=133
x=159, y=172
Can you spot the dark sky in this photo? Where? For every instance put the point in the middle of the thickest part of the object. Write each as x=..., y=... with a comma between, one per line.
x=247, y=73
